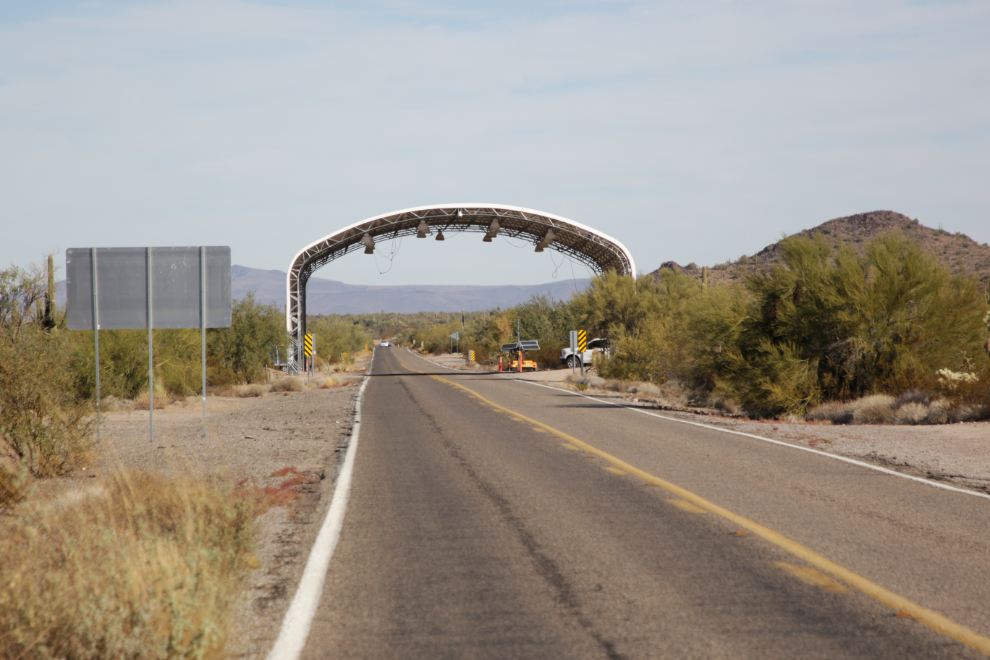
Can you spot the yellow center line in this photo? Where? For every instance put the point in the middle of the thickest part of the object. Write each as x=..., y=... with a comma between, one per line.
x=686, y=506
x=815, y=578
x=930, y=618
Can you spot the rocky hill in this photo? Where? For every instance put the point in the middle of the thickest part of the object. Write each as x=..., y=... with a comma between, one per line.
x=957, y=251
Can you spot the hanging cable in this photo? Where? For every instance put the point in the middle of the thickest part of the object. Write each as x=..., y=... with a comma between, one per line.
x=557, y=266
x=506, y=239
x=396, y=246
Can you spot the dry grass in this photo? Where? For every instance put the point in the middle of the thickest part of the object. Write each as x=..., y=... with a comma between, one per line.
x=876, y=409
x=908, y=409
x=248, y=391
x=138, y=567
x=162, y=399
x=648, y=390
x=911, y=413
x=289, y=384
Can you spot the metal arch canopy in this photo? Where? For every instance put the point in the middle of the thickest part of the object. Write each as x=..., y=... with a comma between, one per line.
x=593, y=248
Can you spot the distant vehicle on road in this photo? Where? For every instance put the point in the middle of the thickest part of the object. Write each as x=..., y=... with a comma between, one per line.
x=597, y=345
x=384, y=344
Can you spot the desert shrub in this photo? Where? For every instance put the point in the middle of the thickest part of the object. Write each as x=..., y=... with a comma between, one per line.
x=616, y=385
x=41, y=420
x=333, y=337
x=329, y=381
x=140, y=567
x=967, y=414
x=289, y=384
x=245, y=347
x=615, y=303
x=248, y=391
x=910, y=413
x=838, y=326
x=831, y=411
x=649, y=335
x=584, y=382
x=648, y=390
x=123, y=362
x=163, y=398
x=876, y=409
x=44, y=426
x=938, y=412
x=727, y=406
x=912, y=396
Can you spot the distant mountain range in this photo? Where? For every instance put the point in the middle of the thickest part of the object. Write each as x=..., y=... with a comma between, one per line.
x=956, y=251
x=332, y=297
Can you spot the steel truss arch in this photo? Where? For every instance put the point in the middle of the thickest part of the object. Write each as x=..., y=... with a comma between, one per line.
x=591, y=247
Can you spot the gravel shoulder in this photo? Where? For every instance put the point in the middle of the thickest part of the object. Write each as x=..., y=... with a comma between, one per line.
x=958, y=454
x=248, y=439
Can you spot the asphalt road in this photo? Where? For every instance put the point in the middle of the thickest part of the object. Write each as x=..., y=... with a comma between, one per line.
x=492, y=518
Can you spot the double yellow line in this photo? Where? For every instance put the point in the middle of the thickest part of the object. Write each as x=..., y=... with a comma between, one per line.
x=902, y=605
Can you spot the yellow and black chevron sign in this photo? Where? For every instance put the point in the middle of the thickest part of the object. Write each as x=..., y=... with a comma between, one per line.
x=308, y=345
x=582, y=341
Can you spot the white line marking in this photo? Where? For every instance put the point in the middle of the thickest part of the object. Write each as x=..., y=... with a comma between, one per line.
x=927, y=482
x=299, y=618
x=894, y=473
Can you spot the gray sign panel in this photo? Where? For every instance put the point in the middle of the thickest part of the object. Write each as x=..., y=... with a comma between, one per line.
x=122, y=287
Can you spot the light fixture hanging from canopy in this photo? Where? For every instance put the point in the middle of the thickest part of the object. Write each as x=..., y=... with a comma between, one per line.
x=546, y=241
x=492, y=231
x=369, y=243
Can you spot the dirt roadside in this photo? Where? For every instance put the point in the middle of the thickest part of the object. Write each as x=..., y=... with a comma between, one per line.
x=956, y=454
x=248, y=440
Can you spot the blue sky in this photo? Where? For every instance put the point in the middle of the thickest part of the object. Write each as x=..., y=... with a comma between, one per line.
x=690, y=131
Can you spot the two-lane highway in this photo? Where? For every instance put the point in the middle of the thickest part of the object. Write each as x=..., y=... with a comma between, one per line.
x=497, y=518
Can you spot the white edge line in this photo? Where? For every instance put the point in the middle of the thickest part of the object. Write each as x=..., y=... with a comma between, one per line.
x=819, y=452
x=894, y=473
x=298, y=619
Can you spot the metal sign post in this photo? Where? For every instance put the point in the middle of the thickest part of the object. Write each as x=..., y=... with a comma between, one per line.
x=96, y=335
x=202, y=325
x=574, y=356
x=582, y=341
x=151, y=358
x=308, y=353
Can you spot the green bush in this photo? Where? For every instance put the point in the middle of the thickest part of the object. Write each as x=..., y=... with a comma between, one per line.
x=825, y=326
x=333, y=337
x=647, y=324
x=246, y=346
x=44, y=427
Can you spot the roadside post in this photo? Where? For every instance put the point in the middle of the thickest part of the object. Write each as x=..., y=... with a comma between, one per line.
x=308, y=352
x=574, y=336
x=144, y=288
x=582, y=340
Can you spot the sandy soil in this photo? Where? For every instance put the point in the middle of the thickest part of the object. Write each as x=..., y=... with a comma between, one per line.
x=952, y=453
x=247, y=440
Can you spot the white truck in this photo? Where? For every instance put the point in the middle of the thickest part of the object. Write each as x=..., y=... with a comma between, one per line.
x=598, y=345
